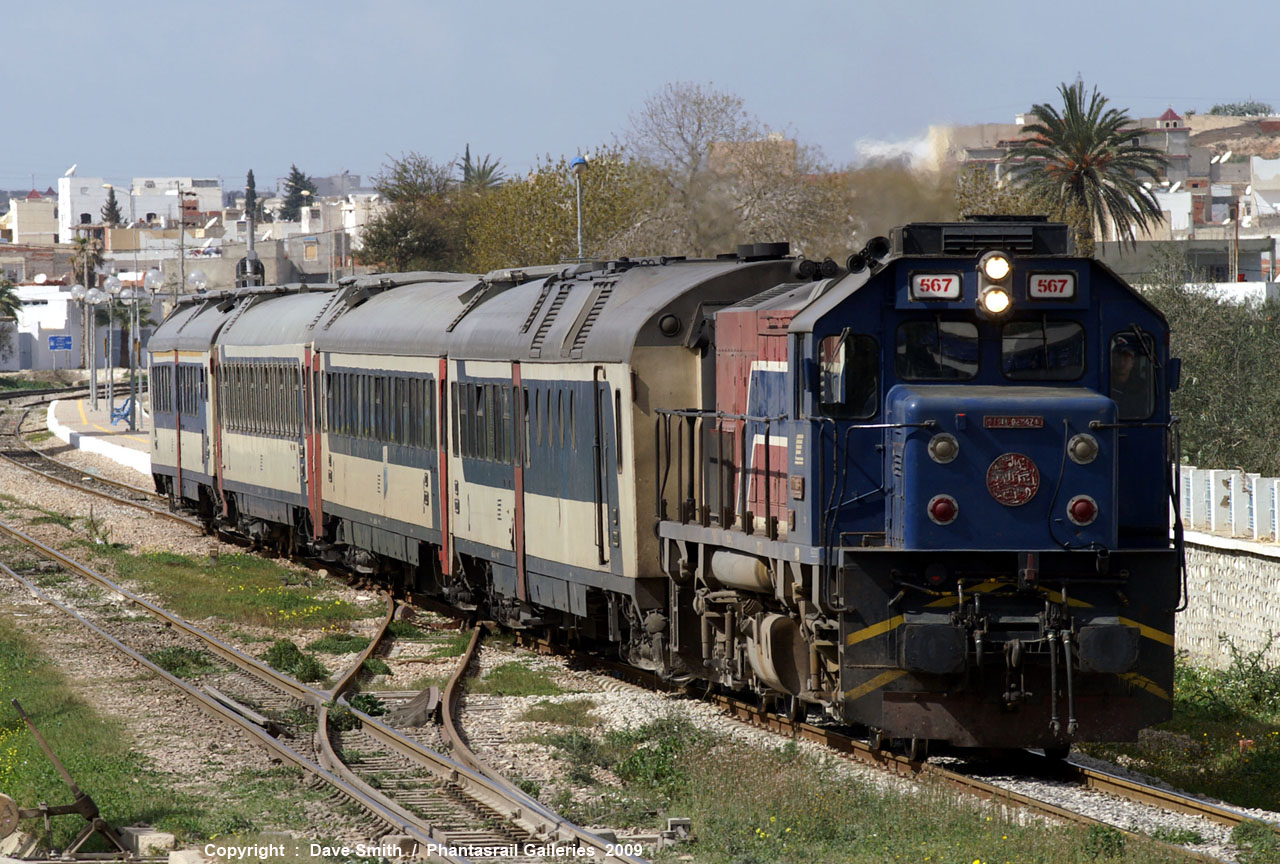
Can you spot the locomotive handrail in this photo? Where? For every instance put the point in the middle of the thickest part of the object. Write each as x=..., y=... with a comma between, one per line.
x=719, y=415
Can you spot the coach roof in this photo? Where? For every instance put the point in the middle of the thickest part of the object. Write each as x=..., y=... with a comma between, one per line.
x=595, y=315
x=193, y=327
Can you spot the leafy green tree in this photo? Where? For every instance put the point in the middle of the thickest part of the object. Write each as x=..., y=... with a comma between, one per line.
x=533, y=220
x=413, y=177
x=1085, y=156
x=295, y=184
x=1249, y=108
x=977, y=193
x=111, y=214
x=251, y=206
x=423, y=226
x=1223, y=345
x=484, y=174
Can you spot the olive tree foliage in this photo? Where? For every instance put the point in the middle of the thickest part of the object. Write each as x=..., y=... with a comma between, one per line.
x=978, y=193
x=1248, y=108
x=533, y=219
x=724, y=178
x=1230, y=355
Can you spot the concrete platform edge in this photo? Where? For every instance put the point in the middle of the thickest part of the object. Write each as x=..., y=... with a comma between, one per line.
x=135, y=459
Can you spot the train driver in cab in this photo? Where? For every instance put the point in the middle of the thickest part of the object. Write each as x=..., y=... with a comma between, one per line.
x=1131, y=377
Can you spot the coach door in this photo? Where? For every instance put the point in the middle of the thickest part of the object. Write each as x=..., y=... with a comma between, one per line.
x=519, y=440
x=605, y=448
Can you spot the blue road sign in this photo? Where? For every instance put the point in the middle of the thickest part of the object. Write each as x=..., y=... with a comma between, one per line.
x=59, y=343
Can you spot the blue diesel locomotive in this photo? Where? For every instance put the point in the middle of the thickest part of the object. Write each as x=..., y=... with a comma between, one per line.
x=891, y=492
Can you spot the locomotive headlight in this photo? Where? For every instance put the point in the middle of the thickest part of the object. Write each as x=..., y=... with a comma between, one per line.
x=996, y=300
x=996, y=266
x=995, y=288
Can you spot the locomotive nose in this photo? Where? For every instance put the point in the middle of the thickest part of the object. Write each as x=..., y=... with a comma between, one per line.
x=1007, y=468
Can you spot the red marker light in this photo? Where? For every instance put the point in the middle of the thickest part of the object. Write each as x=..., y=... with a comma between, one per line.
x=943, y=509
x=1082, y=510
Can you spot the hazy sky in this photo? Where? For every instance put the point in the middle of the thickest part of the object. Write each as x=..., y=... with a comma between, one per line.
x=214, y=89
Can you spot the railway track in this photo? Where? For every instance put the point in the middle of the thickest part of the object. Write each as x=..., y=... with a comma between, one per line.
x=15, y=449
x=835, y=740
x=426, y=798
x=418, y=781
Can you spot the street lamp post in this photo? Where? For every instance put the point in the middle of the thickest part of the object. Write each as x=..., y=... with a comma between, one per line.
x=153, y=282
x=579, y=167
x=112, y=286
x=92, y=298
x=182, y=237
x=77, y=294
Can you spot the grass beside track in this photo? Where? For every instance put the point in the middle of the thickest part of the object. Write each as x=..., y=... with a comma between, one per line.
x=234, y=587
x=1223, y=740
x=98, y=753
x=751, y=806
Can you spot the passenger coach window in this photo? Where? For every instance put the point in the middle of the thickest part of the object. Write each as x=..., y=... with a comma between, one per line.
x=1042, y=350
x=1132, y=384
x=850, y=376
x=936, y=350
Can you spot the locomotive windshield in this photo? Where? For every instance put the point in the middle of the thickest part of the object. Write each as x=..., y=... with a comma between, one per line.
x=1132, y=384
x=1042, y=350
x=936, y=350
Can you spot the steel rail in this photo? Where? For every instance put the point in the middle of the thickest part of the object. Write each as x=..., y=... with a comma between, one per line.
x=526, y=813
x=904, y=767
x=162, y=512
x=384, y=810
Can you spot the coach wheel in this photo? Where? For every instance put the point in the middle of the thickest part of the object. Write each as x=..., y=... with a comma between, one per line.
x=918, y=749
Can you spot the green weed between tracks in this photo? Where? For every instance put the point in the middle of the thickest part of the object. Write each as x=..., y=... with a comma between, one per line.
x=1224, y=738
x=97, y=752
x=751, y=806
x=514, y=679
x=235, y=587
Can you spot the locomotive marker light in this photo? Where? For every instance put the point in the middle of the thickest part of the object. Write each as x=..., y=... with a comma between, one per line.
x=1082, y=510
x=943, y=509
x=943, y=448
x=995, y=272
x=1082, y=448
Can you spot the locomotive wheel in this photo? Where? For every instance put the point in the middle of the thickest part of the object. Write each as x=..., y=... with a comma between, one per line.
x=875, y=738
x=1057, y=754
x=918, y=749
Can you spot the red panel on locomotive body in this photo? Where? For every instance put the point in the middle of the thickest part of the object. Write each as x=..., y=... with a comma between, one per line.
x=752, y=381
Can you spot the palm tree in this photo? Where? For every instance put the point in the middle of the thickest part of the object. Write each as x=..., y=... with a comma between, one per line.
x=79, y=244
x=9, y=308
x=1088, y=158
x=484, y=173
x=9, y=302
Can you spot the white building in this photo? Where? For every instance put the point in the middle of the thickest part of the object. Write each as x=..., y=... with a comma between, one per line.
x=149, y=199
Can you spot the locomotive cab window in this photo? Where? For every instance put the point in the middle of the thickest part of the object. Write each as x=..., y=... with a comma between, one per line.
x=936, y=350
x=1042, y=350
x=849, y=376
x=1132, y=383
